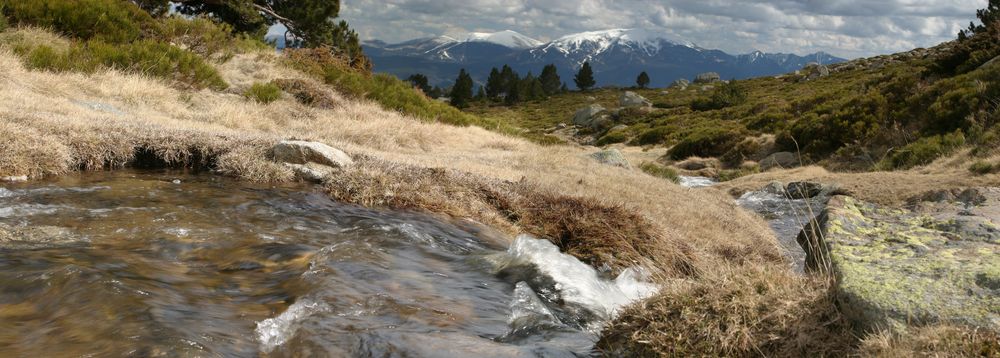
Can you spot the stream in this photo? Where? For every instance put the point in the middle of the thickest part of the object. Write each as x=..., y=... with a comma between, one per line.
x=161, y=263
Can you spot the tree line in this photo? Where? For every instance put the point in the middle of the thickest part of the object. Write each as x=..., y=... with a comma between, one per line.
x=505, y=85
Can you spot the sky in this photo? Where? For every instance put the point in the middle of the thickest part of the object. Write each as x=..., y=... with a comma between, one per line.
x=846, y=28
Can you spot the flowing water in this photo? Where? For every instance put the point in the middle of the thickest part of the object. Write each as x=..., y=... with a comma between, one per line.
x=787, y=217
x=171, y=264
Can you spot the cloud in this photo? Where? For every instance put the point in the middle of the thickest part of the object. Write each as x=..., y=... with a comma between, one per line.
x=850, y=28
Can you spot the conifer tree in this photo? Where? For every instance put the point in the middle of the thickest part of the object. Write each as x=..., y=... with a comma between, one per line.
x=585, y=78
x=508, y=80
x=494, y=85
x=420, y=81
x=461, y=93
x=564, y=88
x=643, y=80
x=550, y=79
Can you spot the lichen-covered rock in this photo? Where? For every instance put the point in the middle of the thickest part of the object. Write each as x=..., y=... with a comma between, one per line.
x=612, y=157
x=895, y=267
x=301, y=152
x=681, y=84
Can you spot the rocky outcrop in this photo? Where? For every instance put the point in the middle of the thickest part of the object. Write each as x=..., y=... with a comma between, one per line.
x=612, y=157
x=939, y=262
x=592, y=116
x=707, y=77
x=631, y=99
x=815, y=71
x=779, y=160
x=681, y=84
x=310, y=160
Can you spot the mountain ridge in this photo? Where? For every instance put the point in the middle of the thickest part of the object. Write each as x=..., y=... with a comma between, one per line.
x=618, y=56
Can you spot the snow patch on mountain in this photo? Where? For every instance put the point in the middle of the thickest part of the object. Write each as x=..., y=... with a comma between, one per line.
x=597, y=42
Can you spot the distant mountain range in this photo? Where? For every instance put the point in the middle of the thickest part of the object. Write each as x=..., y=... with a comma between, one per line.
x=617, y=56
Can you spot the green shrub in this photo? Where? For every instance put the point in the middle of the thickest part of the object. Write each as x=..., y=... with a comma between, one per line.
x=983, y=168
x=655, y=135
x=733, y=174
x=3, y=22
x=612, y=137
x=263, y=93
x=660, y=171
x=147, y=57
x=923, y=151
x=112, y=21
x=709, y=141
x=726, y=95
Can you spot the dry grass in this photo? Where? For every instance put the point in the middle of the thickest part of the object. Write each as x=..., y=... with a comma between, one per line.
x=935, y=341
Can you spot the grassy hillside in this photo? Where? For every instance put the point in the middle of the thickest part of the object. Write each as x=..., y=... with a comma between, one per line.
x=889, y=112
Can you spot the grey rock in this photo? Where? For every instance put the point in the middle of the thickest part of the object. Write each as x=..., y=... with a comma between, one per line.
x=779, y=160
x=301, y=152
x=612, y=157
x=631, y=99
x=585, y=117
x=311, y=171
x=803, y=190
x=681, y=84
x=707, y=77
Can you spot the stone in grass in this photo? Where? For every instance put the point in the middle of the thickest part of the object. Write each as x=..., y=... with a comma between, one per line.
x=896, y=267
x=612, y=157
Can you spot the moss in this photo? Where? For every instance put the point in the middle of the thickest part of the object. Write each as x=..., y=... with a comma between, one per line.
x=660, y=171
x=613, y=137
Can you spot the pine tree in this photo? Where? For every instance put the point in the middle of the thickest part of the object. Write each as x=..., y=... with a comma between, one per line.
x=585, y=78
x=420, y=81
x=481, y=94
x=461, y=93
x=989, y=15
x=564, y=88
x=643, y=80
x=494, y=85
x=550, y=79
x=508, y=80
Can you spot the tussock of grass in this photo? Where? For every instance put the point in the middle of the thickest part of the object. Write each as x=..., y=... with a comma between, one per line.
x=660, y=171
x=750, y=312
x=933, y=341
x=263, y=93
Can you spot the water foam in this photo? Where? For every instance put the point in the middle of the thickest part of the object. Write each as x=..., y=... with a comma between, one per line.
x=273, y=332
x=579, y=283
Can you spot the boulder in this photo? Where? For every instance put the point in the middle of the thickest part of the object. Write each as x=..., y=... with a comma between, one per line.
x=612, y=157
x=895, y=267
x=301, y=152
x=586, y=117
x=779, y=160
x=815, y=70
x=631, y=99
x=681, y=84
x=311, y=171
x=707, y=77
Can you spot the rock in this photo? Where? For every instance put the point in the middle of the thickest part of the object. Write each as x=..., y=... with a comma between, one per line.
x=619, y=127
x=586, y=116
x=681, y=84
x=776, y=188
x=707, y=77
x=37, y=237
x=591, y=98
x=779, y=160
x=664, y=92
x=803, y=190
x=696, y=163
x=311, y=171
x=561, y=126
x=612, y=157
x=631, y=99
x=707, y=88
x=301, y=152
x=815, y=70
x=898, y=267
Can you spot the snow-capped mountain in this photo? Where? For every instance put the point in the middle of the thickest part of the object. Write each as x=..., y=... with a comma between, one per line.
x=617, y=55
x=504, y=38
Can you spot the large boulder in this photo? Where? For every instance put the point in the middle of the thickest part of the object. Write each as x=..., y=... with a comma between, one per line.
x=681, y=84
x=631, y=99
x=708, y=77
x=895, y=267
x=587, y=116
x=779, y=160
x=612, y=157
x=310, y=160
x=814, y=70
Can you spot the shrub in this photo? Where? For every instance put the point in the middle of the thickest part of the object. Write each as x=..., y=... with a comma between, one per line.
x=706, y=142
x=727, y=95
x=983, y=168
x=146, y=57
x=655, y=135
x=923, y=151
x=112, y=21
x=3, y=22
x=660, y=171
x=612, y=137
x=263, y=93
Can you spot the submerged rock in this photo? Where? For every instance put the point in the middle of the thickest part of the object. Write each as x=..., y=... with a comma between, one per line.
x=897, y=267
x=36, y=237
x=612, y=157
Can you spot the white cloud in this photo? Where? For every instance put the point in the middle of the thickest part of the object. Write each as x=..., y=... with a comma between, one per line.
x=850, y=28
